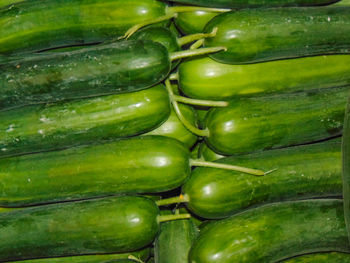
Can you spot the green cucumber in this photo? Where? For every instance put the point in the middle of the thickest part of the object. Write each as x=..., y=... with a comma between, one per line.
x=257, y=35
x=4, y=3
x=174, y=128
x=342, y=3
x=36, y=128
x=329, y=257
x=302, y=172
x=109, y=225
x=273, y=232
x=208, y=154
x=346, y=166
x=205, y=78
x=256, y=124
x=174, y=241
x=193, y=22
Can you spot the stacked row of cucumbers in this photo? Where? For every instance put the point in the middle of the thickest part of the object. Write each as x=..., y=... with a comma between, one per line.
x=99, y=143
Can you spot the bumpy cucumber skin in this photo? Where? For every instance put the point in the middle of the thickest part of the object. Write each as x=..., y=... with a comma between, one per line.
x=256, y=124
x=346, y=165
x=174, y=241
x=148, y=164
x=174, y=128
x=273, y=232
x=205, y=78
x=302, y=172
x=330, y=257
x=109, y=225
x=257, y=35
x=36, y=128
x=99, y=70
x=193, y=22
x=25, y=27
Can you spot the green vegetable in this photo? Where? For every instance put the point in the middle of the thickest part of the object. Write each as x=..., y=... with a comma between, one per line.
x=330, y=257
x=257, y=35
x=273, y=232
x=208, y=154
x=194, y=22
x=43, y=127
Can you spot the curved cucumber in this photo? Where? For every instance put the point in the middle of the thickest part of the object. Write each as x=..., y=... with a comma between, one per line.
x=273, y=232
x=174, y=241
x=193, y=22
x=256, y=124
x=99, y=70
x=25, y=27
x=206, y=78
x=257, y=35
x=174, y=128
x=109, y=225
x=330, y=257
x=36, y=128
x=303, y=172
x=146, y=164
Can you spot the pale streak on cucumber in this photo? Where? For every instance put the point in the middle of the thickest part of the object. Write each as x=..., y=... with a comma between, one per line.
x=197, y=44
x=195, y=37
x=195, y=52
x=166, y=218
x=208, y=103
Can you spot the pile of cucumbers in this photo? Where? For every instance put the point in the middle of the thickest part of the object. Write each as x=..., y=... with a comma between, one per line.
x=183, y=131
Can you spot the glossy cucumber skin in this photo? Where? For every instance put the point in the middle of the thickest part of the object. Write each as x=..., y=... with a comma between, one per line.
x=174, y=241
x=257, y=35
x=273, y=232
x=303, y=172
x=142, y=254
x=148, y=164
x=108, y=225
x=346, y=165
x=330, y=257
x=205, y=78
x=45, y=127
x=94, y=71
x=26, y=28
x=193, y=22
x=256, y=124
x=174, y=128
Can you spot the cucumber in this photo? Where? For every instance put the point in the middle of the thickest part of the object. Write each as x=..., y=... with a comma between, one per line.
x=346, y=166
x=254, y=3
x=257, y=35
x=4, y=3
x=174, y=128
x=342, y=3
x=25, y=27
x=100, y=70
x=257, y=124
x=208, y=154
x=303, y=172
x=46, y=127
x=109, y=225
x=330, y=257
x=141, y=254
x=205, y=78
x=273, y=232
x=193, y=22
x=174, y=241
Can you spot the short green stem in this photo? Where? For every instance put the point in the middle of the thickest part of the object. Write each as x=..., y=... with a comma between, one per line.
x=226, y=167
x=166, y=218
x=174, y=76
x=194, y=37
x=207, y=103
x=197, y=44
x=195, y=52
x=173, y=200
x=135, y=258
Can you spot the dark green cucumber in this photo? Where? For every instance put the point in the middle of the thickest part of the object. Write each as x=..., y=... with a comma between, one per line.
x=206, y=78
x=141, y=254
x=36, y=128
x=25, y=27
x=257, y=35
x=254, y=3
x=109, y=225
x=148, y=164
x=346, y=165
x=257, y=124
x=99, y=70
x=303, y=172
x=329, y=257
x=174, y=241
x=273, y=232
x=194, y=22
x=4, y=3
x=174, y=128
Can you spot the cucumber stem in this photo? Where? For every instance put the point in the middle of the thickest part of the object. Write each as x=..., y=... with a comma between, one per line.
x=197, y=44
x=197, y=162
x=194, y=37
x=177, y=110
x=208, y=103
x=165, y=218
x=135, y=258
x=181, y=9
x=173, y=200
x=174, y=76
x=195, y=52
